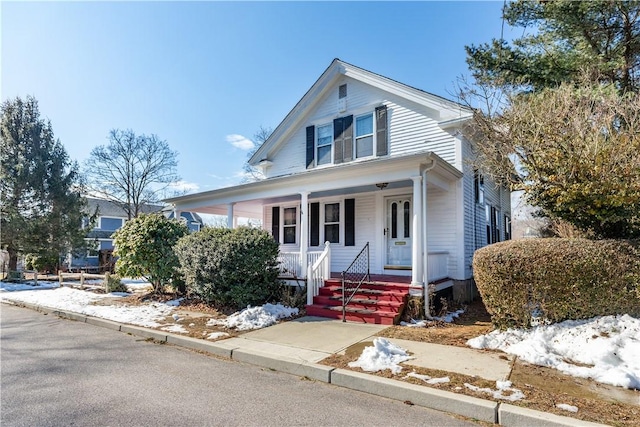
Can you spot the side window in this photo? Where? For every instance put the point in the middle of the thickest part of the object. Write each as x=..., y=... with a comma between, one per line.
x=110, y=224
x=324, y=141
x=507, y=227
x=478, y=187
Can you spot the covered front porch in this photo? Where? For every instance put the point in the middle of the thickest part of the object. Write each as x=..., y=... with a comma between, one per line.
x=403, y=208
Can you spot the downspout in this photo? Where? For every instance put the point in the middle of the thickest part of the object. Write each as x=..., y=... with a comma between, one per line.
x=425, y=246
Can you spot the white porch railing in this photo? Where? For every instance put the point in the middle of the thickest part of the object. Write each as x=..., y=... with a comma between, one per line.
x=290, y=266
x=318, y=272
x=437, y=264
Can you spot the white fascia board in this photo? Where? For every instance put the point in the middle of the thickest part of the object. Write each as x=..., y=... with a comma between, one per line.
x=325, y=179
x=418, y=96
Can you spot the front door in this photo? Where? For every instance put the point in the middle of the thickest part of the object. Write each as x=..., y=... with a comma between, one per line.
x=398, y=232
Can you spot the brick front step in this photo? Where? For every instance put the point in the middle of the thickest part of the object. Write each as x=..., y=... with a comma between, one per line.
x=365, y=303
x=353, y=314
x=374, y=302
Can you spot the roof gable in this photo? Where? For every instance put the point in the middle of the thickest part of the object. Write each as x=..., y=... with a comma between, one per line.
x=448, y=110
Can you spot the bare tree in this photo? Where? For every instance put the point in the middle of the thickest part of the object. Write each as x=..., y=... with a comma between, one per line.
x=131, y=170
x=252, y=174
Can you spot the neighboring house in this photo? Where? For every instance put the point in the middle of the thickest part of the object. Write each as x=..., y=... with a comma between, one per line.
x=365, y=159
x=109, y=219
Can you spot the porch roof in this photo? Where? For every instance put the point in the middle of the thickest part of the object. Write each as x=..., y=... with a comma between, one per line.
x=349, y=178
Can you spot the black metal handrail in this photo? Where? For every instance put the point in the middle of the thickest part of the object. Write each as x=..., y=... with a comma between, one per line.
x=355, y=274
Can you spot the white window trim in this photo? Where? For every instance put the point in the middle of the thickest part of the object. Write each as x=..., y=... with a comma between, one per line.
x=316, y=146
x=297, y=226
x=373, y=134
x=340, y=203
x=99, y=222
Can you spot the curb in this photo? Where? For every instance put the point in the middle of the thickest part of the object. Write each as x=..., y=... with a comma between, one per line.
x=445, y=401
x=471, y=407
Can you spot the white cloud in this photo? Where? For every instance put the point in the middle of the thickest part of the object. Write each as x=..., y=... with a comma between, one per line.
x=185, y=186
x=240, y=142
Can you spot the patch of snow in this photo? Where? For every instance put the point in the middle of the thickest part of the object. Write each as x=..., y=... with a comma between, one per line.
x=605, y=349
x=79, y=301
x=174, y=302
x=566, y=407
x=448, y=318
x=29, y=286
x=428, y=379
x=216, y=335
x=175, y=328
x=255, y=317
x=175, y=317
x=120, y=294
x=383, y=355
x=501, y=386
x=415, y=323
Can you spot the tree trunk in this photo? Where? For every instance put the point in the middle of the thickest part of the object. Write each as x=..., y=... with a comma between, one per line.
x=13, y=259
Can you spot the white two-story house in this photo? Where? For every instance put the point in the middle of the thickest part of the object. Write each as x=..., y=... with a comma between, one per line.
x=363, y=159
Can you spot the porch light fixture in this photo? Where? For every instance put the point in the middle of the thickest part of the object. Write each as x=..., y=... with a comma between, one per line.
x=382, y=185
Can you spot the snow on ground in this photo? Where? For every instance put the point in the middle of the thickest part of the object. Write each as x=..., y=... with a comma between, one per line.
x=216, y=335
x=566, y=407
x=447, y=318
x=79, y=301
x=501, y=386
x=428, y=379
x=175, y=328
x=255, y=317
x=605, y=349
x=383, y=355
x=12, y=287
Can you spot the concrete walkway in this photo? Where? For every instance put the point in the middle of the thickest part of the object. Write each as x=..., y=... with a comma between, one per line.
x=297, y=346
x=313, y=338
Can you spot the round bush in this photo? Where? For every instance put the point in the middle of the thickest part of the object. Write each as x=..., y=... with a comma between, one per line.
x=232, y=268
x=558, y=279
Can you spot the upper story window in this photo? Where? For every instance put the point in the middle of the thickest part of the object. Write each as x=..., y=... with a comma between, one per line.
x=323, y=144
x=364, y=136
x=110, y=224
x=478, y=187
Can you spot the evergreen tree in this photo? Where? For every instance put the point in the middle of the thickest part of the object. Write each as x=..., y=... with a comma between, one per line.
x=566, y=39
x=40, y=189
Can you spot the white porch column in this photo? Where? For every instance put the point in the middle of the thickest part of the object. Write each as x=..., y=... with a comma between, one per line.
x=416, y=253
x=304, y=233
x=230, y=222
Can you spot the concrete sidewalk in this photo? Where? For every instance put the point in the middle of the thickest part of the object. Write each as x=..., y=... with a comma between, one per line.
x=319, y=337
x=297, y=346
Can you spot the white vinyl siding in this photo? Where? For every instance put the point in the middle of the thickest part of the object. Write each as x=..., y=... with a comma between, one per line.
x=412, y=127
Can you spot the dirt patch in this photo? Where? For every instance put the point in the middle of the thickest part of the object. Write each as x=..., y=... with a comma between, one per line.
x=543, y=389
x=473, y=322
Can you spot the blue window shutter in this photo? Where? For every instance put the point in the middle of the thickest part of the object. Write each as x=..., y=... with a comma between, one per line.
x=311, y=136
x=382, y=145
x=315, y=224
x=350, y=222
x=343, y=139
x=275, y=223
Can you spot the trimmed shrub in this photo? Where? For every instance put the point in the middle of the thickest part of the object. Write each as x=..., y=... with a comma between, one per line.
x=144, y=246
x=233, y=268
x=558, y=279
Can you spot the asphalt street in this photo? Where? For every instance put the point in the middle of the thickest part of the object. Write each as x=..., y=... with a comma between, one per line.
x=57, y=372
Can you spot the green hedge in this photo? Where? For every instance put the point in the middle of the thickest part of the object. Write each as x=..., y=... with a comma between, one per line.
x=558, y=279
x=233, y=268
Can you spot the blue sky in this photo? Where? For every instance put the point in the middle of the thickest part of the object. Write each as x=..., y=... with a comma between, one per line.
x=206, y=75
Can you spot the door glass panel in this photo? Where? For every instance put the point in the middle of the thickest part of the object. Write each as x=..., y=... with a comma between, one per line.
x=394, y=220
x=406, y=219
